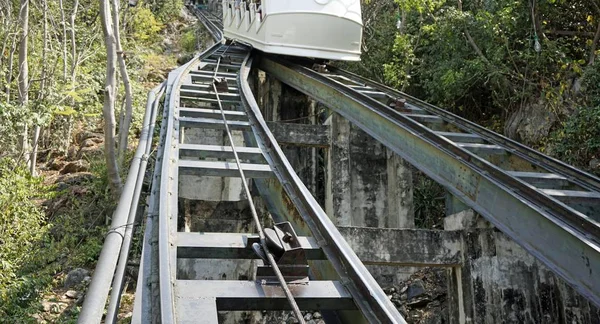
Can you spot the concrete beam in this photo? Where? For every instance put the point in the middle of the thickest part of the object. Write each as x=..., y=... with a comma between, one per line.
x=301, y=134
x=374, y=246
x=405, y=247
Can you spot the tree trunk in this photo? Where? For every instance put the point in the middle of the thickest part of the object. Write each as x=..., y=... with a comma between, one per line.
x=108, y=110
x=74, y=63
x=64, y=38
x=594, y=44
x=11, y=57
x=42, y=95
x=127, y=115
x=24, y=73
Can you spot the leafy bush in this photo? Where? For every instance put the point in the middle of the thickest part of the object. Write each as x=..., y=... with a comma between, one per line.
x=22, y=222
x=429, y=199
x=577, y=140
x=189, y=41
x=144, y=26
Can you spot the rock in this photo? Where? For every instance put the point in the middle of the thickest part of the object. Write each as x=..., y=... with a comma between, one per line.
x=90, y=152
x=317, y=315
x=415, y=289
x=74, y=178
x=185, y=58
x=418, y=302
x=46, y=306
x=75, y=277
x=81, y=137
x=72, y=153
x=73, y=294
x=308, y=317
x=75, y=166
x=55, y=164
x=403, y=290
x=531, y=123
x=92, y=141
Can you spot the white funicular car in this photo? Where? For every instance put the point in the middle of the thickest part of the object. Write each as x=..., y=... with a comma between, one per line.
x=327, y=29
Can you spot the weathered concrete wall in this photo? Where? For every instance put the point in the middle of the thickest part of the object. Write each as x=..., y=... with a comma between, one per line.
x=281, y=103
x=368, y=185
x=503, y=283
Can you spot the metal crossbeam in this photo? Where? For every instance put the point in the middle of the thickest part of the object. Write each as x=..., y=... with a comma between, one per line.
x=232, y=115
x=232, y=246
x=253, y=154
x=223, y=169
x=250, y=295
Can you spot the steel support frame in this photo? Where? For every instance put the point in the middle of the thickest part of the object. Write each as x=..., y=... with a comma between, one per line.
x=367, y=294
x=565, y=250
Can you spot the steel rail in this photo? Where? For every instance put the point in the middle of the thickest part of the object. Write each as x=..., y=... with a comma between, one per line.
x=147, y=131
x=168, y=188
x=215, y=31
x=540, y=221
x=577, y=176
x=261, y=234
x=97, y=294
x=366, y=292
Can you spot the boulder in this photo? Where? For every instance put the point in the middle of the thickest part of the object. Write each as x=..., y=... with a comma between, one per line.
x=75, y=166
x=75, y=277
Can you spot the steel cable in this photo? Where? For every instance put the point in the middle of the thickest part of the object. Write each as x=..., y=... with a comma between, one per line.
x=263, y=242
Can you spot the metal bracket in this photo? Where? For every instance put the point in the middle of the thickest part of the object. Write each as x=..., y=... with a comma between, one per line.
x=283, y=243
x=221, y=85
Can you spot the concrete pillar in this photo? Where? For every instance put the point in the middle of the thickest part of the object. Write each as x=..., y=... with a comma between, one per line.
x=338, y=193
x=367, y=184
x=400, y=193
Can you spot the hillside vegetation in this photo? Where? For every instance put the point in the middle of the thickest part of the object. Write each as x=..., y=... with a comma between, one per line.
x=528, y=69
x=54, y=211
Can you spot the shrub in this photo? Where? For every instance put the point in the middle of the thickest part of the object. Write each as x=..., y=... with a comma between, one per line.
x=22, y=222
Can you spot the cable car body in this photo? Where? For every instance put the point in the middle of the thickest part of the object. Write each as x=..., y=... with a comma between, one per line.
x=325, y=29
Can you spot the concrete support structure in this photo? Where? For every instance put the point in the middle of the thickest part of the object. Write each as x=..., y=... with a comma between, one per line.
x=367, y=190
x=367, y=184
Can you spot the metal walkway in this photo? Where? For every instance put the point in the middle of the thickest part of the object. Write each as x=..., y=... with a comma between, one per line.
x=546, y=206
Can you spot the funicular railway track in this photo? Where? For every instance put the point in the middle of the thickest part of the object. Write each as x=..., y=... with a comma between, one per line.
x=548, y=207
x=195, y=100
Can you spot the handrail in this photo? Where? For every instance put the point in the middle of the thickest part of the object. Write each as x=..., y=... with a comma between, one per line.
x=93, y=306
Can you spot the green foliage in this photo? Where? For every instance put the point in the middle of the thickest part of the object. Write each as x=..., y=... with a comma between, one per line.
x=189, y=41
x=577, y=141
x=66, y=237
x=429, y=200
x=13, y=119
x=22, y=224
x=144, y=26
x=166, y=11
